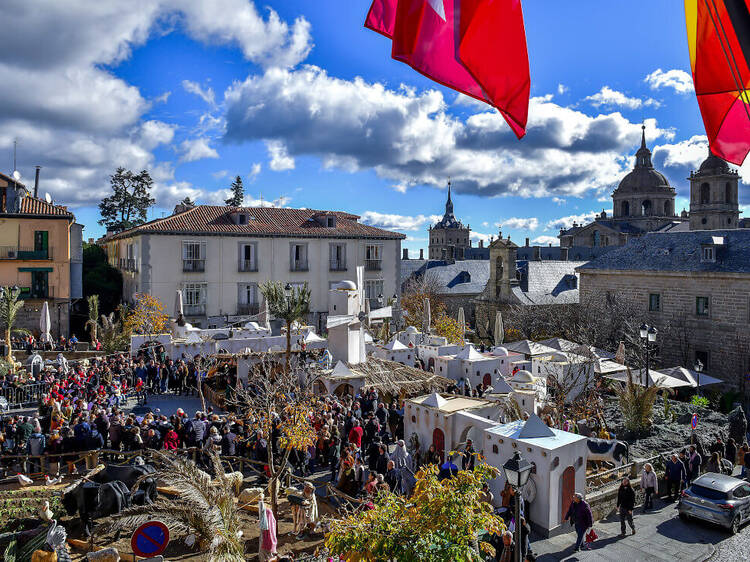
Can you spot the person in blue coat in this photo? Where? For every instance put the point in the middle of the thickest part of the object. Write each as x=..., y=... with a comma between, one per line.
x=580, y=516
x=676, y=474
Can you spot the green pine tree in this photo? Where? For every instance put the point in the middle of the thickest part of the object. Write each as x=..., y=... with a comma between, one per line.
x=238, y=193
x=130, y=200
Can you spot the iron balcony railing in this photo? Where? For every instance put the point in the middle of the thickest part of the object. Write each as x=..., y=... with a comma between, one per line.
x=191, y=266
x=37, y=293
x=373, y=265
x=16, y=253
x=248, y=265
x=194, y=309
x=299, y=265
x=248, y=309
x=338, y=265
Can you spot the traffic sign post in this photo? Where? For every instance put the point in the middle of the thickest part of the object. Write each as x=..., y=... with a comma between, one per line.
x=150, y=539
x=693, y=426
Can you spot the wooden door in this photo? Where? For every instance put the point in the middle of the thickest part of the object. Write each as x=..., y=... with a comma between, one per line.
x=438, y=439
x=487, y=380
x=567, y=489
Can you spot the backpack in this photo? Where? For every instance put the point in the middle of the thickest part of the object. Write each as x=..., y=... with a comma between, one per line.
x=36, y=445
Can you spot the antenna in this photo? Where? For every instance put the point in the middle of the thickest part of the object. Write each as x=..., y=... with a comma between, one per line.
x=48, y=198
x=15, y=147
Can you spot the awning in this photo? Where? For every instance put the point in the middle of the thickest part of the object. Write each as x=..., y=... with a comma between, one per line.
x=655, y=378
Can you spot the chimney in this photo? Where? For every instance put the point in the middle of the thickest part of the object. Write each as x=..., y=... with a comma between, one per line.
x=537, y=253
x=406, y=253
x=36, y=182
x=481, y=243
x=527, y=242
x=564, y=254
x=421, y=253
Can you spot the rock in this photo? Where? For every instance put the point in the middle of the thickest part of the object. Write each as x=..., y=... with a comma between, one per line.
x=105, y=555
x=43, y=556
x=737, y=425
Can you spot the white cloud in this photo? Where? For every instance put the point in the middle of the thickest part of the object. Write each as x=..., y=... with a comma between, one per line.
x=546, y=241
x=220, y=174
x=562, y=88
x=612, y=98
x=196, y=149
x=679, y=80
x=206, y=94
x=279, y=155
x=517, y=223
x=567, y=222
x=154, y=133
x=254, y=171
x=479, y=236
x=282, y=201
x=398, y=222
x=485, y=224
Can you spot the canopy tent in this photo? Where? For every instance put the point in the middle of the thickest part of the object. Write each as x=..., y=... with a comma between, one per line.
x=690, y=376
x=655, y=378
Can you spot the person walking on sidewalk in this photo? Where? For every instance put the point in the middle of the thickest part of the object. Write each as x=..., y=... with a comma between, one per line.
x=580, y=516
x=625, y=504
x=648, y=485
x=675, y=475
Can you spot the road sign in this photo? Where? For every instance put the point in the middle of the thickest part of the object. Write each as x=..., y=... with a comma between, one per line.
x=694, y=421
x=150, y=539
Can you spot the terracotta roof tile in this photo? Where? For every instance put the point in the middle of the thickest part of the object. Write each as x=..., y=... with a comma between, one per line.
x=32, y=206
x=264, y=221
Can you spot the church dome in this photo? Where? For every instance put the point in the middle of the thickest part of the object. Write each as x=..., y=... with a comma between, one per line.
x=644, y=178
x=713, y=166
x=346, y=285
x=523, y=376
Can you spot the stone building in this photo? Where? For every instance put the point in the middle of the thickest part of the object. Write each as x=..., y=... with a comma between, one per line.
x=643, y=202
x=449, y=238
x=714, y=202
x=695, y=289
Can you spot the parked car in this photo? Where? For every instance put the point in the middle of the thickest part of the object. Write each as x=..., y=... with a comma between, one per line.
x=717, y=498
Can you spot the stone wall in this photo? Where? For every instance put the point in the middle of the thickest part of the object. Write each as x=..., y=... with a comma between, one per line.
x=59, y=315
x=723, y=335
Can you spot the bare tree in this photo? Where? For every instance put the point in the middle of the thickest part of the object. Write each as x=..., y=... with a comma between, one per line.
x=415, y=291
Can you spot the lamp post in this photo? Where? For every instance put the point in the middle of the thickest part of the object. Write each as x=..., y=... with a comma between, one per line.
x=648, y=336
x=698, y=369
x=517, y=471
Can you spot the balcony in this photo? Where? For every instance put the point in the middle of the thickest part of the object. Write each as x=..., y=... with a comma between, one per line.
x=299, y=265
x=373, y=265
x=128, y=264
x=194, y=309
x=248, y=309
x=28, y=254
x=338, y=265
x=247, y=265
x=193, y=266
x=38, y=293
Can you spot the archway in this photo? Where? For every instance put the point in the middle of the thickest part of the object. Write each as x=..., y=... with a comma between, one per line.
x=646, y=208
x=431, y=364
x=487, y=380
x=705, y=193
x=320, y=388
x=438, y=439
x=728, y=193
x=625, y=209
x=668, y=209
x=567, y=489
x=597, y=238
x=344, y=389
x=470, y=432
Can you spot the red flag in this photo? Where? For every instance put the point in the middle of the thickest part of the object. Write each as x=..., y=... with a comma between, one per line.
x=477, y=47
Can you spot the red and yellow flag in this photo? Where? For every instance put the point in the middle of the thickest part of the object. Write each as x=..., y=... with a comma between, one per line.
x=718, y=33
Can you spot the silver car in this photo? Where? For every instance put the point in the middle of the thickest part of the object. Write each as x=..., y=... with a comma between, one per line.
x=717, y=498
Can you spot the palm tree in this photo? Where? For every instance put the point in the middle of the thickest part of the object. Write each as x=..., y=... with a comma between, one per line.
x=288, y=303
x=204, y=506
x=93, y=322
x=10, y=305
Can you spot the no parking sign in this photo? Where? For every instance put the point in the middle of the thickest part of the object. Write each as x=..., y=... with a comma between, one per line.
x=694, y=421
x=150, y=539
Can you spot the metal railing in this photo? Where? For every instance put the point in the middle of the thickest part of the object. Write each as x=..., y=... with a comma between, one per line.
x=190, y=266
x=373, y=265
x=30, y=293
x=299, y=265
x=194, y=309
x=17, y=253
x=247, y=265
x=244, y=309
x=18, y=396
x=337, y=265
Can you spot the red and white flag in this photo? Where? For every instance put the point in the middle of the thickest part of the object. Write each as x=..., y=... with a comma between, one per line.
x=477, y=47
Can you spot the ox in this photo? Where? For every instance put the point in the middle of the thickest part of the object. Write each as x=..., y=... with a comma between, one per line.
x=92, y=500
x=608, y=450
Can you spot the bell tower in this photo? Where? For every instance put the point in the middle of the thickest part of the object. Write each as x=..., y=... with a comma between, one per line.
x=714, y=202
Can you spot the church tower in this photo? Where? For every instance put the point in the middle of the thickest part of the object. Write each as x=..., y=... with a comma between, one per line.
x=449, y=238
x=714, y=202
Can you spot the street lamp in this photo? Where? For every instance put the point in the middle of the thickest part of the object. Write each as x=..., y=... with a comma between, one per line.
x=517, y=471
x=648, y=336
x=698, y=369
x=288, y=290
x=381, y=300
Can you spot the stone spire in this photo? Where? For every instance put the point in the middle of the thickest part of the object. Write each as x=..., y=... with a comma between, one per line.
x=449, y=203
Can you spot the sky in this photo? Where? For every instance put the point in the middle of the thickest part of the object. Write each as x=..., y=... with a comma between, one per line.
x=306, y=105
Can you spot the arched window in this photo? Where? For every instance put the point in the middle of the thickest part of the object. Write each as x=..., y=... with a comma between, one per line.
x=668, y=209
x=728, y=193
x=499, y=267
x=597, y=241
x=646, y=208
x=625, y=206
x=705, y=194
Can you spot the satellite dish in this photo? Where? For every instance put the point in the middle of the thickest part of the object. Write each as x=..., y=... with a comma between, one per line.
x=48, y=198
x=16, y=175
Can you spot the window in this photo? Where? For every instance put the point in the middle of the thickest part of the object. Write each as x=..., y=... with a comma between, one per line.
x=373, y=257
x=373, y=288
x=337, y=257
x=298, y=257
x=331, y=222
x=41, y=246
x=194, y=295
x=193, y=256
x=654, y=302
x=709, y=254
x=742, y=491
x=646, y=208
x=728, y=193
x=705, y=194
x=248, y=257
x=701, y=306
x=703, y=357
x=243, y=218
x=247, y=299
x=625, y=206
x=597, y=241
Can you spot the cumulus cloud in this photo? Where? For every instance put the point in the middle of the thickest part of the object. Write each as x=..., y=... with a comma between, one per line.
x=196, y=149
x=254, y=172
x=678, y=80
x=567, y=222
x=546, y=241
x=398, y=222
x=558, y=200
x=612, y=98
x=562, y=88
x=517, y=223
x=479, y=236
x=279, y=155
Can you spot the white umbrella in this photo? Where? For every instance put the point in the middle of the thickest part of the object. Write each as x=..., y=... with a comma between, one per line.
x=266, y=316
x=427, y=316
x=620, y=355
x=44, y=324
x=499, y=329
x=462, y=321
x=178, y=310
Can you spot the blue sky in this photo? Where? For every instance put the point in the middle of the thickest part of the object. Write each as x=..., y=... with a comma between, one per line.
x=309, y=108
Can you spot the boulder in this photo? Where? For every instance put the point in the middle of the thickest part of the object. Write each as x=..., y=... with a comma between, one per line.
x=737, y=425
x=105, y=555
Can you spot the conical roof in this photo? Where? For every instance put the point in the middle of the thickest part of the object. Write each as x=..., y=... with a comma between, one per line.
x=469, y=353
x=394, y=345
x=535, y=427
x=434, y=400
x=341, y=370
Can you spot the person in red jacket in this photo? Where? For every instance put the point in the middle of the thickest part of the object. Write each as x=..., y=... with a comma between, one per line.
x=355, y=435
x=171, y=440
